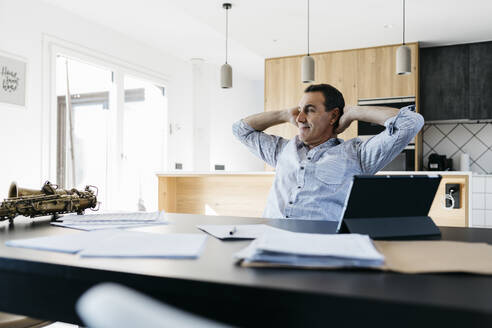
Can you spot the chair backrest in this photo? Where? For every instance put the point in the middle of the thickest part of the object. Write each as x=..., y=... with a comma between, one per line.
x=110, y=305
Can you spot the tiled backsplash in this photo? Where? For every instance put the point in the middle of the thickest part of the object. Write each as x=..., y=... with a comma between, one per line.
x=482, y=201
x=452, y=139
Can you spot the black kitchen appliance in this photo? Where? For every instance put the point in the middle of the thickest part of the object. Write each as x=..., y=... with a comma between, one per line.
x=438, y=162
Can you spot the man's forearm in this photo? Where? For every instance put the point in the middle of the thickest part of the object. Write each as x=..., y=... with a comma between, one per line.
x=373, y=114
x=263, y=121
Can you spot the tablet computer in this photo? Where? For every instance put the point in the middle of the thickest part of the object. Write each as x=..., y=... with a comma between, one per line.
x=390, y=206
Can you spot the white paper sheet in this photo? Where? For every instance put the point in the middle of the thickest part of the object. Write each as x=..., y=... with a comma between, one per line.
x=119, y=243
x=120, y=220
x=102, y=226
x=240, y=231
x=66, y=243
x=117, y=217
x=143, y=244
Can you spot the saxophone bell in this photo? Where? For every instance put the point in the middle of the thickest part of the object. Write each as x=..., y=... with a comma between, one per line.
x=15, y=191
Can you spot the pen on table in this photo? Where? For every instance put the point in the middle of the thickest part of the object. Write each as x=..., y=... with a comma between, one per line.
x=233, y=231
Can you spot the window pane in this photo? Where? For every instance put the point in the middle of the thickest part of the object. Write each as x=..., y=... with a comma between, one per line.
x=143, y=143
x=87, y=128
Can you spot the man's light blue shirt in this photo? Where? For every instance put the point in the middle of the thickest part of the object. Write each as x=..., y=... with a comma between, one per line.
x=312, y=184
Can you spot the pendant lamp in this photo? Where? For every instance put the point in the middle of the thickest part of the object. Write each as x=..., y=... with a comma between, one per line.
x=226, y=69
x=307, y=64
x=403, y=54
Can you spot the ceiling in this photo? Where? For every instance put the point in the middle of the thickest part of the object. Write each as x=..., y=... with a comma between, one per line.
x=261, y=29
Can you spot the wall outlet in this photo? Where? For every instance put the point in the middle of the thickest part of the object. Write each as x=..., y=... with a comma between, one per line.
x=454, y=190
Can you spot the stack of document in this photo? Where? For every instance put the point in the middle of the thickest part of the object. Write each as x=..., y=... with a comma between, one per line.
x=119, y=243
x=111, y=220
x=312, y=250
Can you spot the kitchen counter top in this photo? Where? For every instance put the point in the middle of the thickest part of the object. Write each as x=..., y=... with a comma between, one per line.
x=268, y=173
x=245, y=193
x=211, y=173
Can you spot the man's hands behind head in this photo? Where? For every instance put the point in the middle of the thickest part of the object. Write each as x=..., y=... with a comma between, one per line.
x=291, y=115
x=347, y=118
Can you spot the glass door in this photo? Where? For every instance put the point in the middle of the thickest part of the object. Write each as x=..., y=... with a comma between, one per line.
x=83, y=92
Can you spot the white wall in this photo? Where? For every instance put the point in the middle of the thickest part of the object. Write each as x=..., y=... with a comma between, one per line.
x=22, y=26
x=214, y=110
x=228, y=106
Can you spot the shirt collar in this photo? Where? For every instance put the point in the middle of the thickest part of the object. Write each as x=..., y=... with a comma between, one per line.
x=327, y=144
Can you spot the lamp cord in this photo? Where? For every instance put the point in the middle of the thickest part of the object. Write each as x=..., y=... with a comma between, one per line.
x=227, y=31
x=308, y=27
x=403, y=22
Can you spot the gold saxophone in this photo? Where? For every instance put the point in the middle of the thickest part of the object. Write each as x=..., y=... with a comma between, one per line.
x=50, y=200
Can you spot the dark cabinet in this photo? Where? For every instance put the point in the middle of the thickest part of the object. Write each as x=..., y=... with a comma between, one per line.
x=481, y=81
x=444, y=78
x=456, y=82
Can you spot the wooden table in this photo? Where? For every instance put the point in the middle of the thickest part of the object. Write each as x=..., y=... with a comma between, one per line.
x=47, y=284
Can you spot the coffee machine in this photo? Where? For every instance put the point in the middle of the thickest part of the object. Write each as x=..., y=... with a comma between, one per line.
x=439, y=163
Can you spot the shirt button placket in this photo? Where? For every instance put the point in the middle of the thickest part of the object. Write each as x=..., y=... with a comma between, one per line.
x=300, y=183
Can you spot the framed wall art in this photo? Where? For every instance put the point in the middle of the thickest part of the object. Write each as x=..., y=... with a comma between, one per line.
x=12, y=80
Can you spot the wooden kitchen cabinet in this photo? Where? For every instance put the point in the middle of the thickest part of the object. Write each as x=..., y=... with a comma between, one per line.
x=340, y=70
x=283, y=89
x=224, y=193
x=377, y=76
x=358, y=74
x=456, y=217
x=245, y=194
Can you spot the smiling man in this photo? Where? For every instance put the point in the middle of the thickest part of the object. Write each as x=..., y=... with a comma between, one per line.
x=314, y=169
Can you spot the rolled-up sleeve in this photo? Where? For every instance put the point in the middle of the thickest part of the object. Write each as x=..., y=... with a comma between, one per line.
x=381, y=149
x=267, y=147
